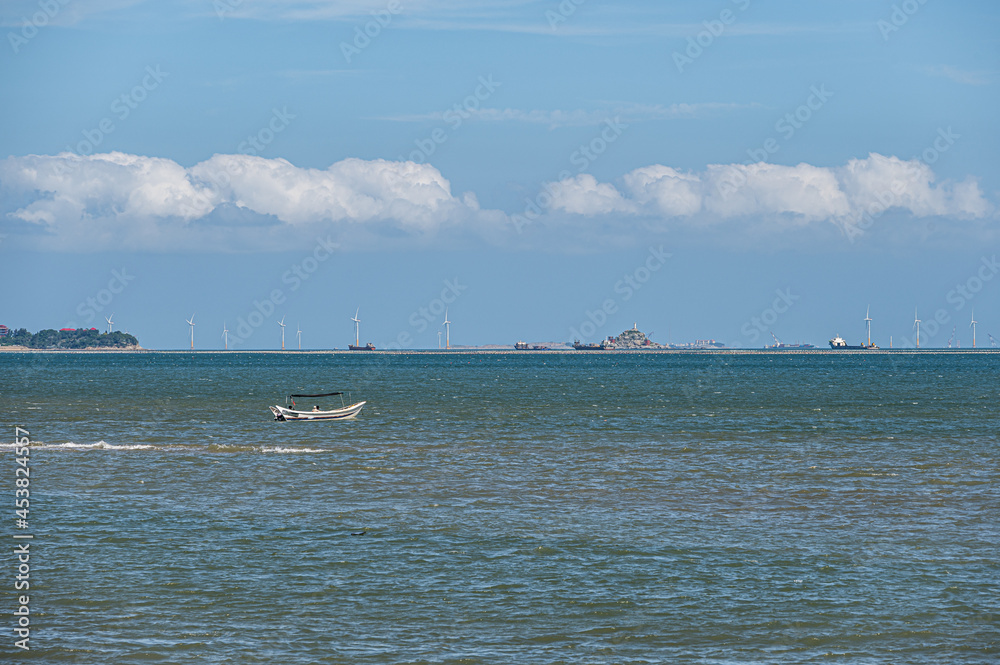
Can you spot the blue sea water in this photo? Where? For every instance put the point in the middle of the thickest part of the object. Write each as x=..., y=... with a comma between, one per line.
x=515, y=508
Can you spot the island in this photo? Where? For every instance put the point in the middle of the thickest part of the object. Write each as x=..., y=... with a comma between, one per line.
x=68, y=338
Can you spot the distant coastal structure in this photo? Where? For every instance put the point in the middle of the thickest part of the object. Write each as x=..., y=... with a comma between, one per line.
x=636, y=340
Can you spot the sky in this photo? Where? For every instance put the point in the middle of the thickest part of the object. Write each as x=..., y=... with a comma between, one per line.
x=539, y=171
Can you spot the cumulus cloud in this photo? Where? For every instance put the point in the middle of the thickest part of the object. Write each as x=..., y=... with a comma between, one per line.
x=147, y=202
x=788, y=195
x=669, y=191
x=228, y=202
x=583, y=195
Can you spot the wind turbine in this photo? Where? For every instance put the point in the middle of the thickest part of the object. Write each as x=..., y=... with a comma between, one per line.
x=191, y=323
x=973, y=326
x=111, y=325
x=299, y=335
x=357, y=328
x=225, y=335
x=439, y=339
x=916, y=324
x=282, y=324
x=868, y=320
x=447, y=327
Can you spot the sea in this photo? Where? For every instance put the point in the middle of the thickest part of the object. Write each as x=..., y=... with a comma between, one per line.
x=503, y=508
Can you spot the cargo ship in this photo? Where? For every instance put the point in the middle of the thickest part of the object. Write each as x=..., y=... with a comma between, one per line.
x=606, y=345
x=778, y=344
x=524, y=346
x=367, y=347
x=839, y=344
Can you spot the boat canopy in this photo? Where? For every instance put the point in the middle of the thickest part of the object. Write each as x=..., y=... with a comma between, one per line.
x=320, y=395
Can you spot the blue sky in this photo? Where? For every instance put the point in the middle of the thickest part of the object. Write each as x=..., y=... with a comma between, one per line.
x=542, y=154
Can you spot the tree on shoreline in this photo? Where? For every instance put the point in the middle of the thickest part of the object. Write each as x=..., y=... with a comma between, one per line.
x=81, y=338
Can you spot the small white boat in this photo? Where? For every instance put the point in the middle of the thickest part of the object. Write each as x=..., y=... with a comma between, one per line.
x=283, y=413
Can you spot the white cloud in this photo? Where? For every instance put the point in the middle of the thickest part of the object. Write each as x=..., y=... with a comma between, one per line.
x=145, y=202
x=805, y=191
x=15, y=13
x=958, y=75
x=580, y=117
x=583, y=195
x=316, y=10
x=673, y=193
x=352, y=191
x=121, y=201
x=775, y=195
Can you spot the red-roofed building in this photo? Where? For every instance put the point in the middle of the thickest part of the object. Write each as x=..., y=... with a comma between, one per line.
x=4, y=331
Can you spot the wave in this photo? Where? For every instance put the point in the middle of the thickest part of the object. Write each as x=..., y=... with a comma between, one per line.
x=280, y=450
x=101, y=445
x=72, y=445
x=104, y=445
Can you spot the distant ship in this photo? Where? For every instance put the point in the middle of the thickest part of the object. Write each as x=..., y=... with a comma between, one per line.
x=839, y=344
x=778, y=344
x=699, y=345
x=524, y=346
x=367, y=347
x=603, y=346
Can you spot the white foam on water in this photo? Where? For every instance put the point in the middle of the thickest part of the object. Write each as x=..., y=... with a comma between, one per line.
x=101, y=445
x=280, y=450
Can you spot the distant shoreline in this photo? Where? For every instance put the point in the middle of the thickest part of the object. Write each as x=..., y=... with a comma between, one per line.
x=89, y=349
x=501, y=351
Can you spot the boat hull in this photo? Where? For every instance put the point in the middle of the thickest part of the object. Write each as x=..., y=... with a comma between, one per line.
x=282, y=413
